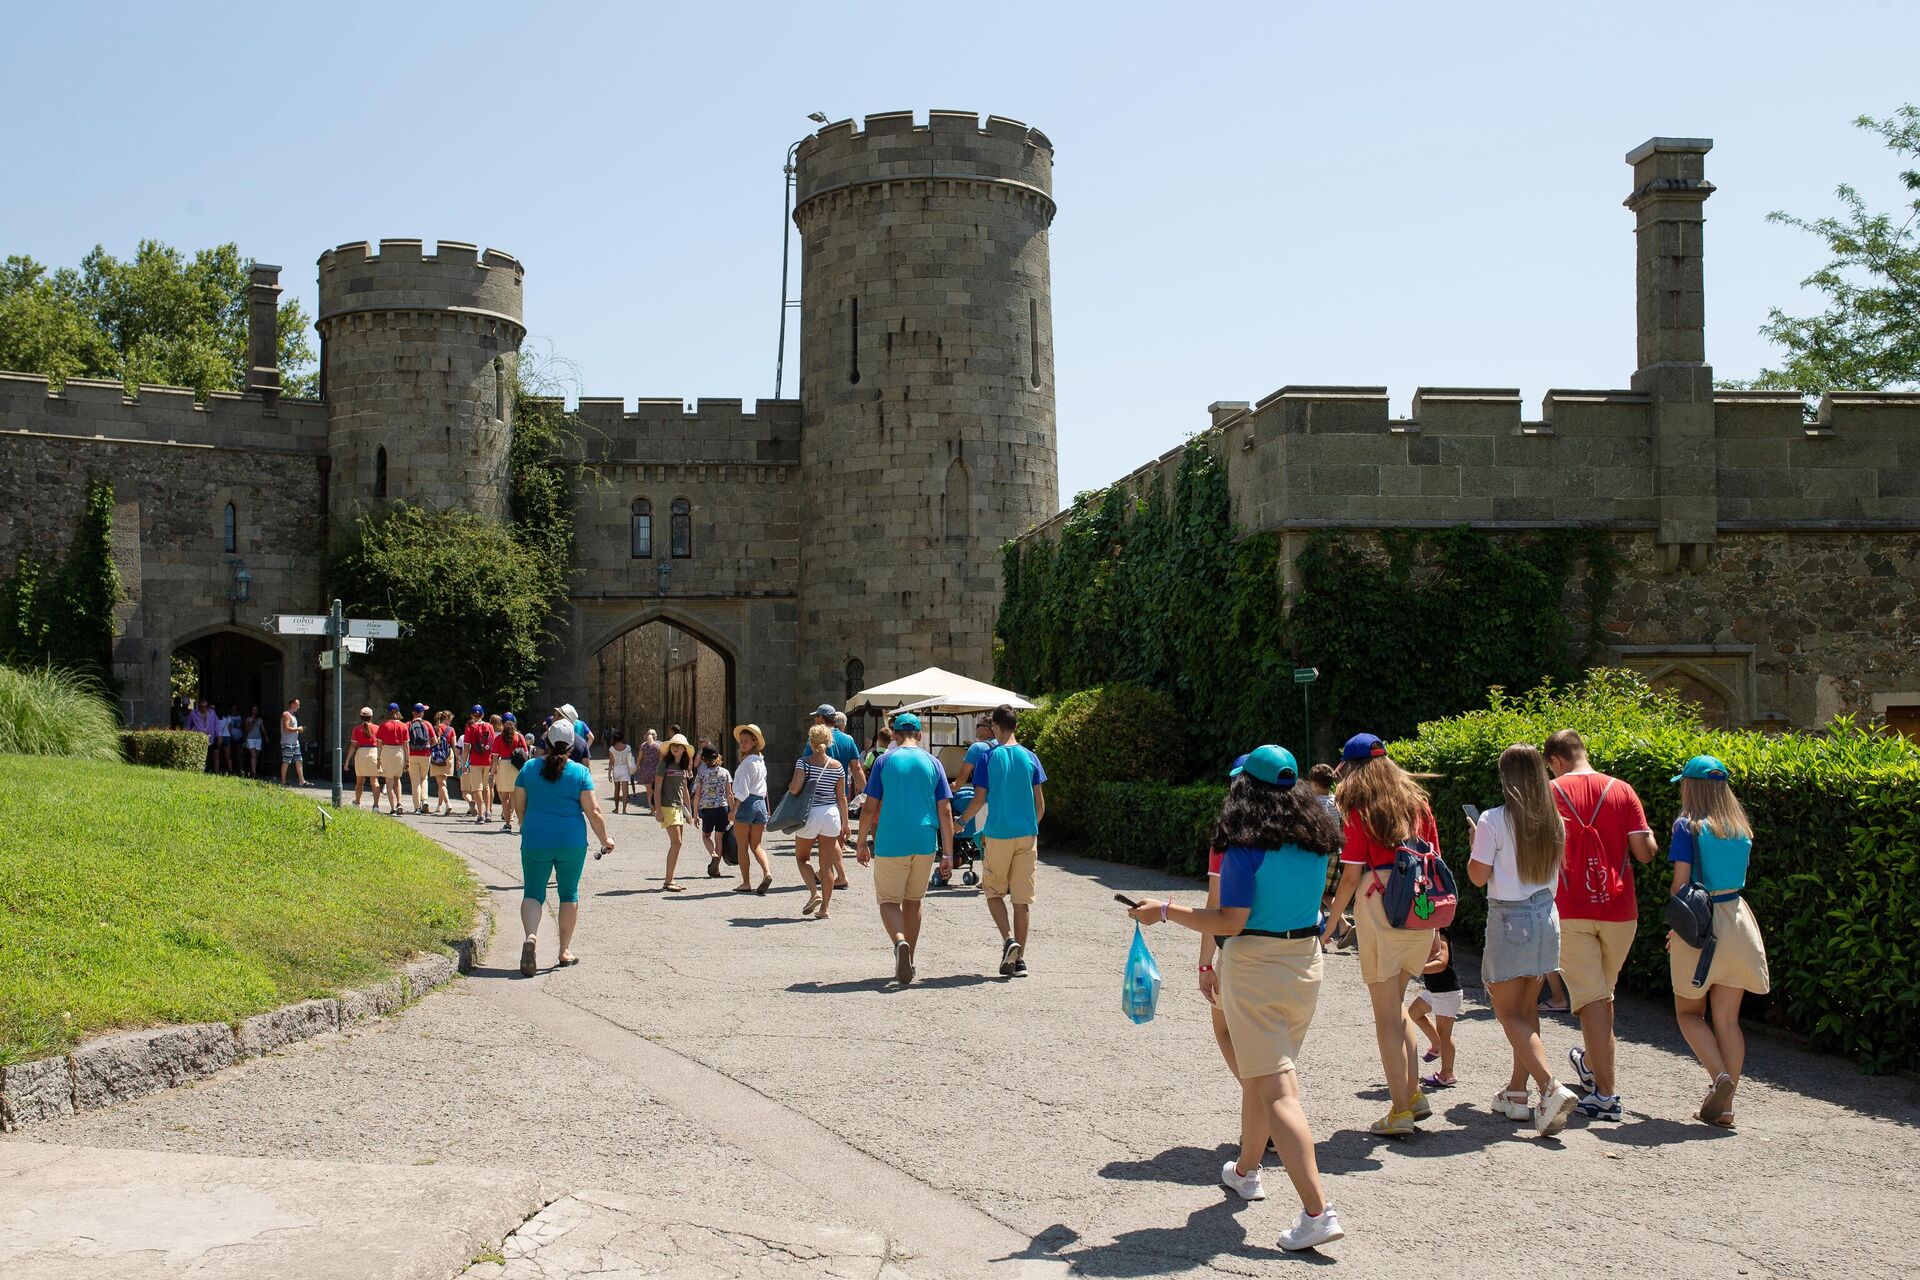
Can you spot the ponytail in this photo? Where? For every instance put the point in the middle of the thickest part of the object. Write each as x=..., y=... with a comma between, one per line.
x=553, y=763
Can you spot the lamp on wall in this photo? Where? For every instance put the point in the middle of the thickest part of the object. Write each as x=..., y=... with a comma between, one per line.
x=666, y=573
x=240, y=584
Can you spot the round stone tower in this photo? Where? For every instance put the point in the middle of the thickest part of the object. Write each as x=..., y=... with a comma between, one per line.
x=416, y=357
x=926, y=385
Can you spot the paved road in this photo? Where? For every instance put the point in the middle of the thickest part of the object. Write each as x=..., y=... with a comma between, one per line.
x=717, y=1055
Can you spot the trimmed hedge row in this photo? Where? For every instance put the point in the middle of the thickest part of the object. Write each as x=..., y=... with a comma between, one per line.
x=1155, y=824
x=1836, y=856
x=165, y=748
x=1115, y=733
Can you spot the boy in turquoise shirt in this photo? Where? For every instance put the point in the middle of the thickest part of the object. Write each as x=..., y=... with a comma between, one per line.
x=908, y=819
x=1012, y=775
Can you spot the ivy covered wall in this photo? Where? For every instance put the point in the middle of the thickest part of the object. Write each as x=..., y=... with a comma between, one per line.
x=1161, y=589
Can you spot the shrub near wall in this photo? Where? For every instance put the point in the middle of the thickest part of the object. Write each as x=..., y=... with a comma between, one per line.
x=165, y=748
x=1154, y=824
x=1116, y=733
x=1835, y=879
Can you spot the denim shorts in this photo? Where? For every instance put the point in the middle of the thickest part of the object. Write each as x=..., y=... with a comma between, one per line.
x=752, y=812
x=1523, y=938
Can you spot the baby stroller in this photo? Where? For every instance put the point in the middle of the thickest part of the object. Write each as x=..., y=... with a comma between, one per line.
x=966, y=844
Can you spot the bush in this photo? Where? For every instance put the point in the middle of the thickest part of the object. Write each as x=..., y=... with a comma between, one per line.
x=1153, y=824
x=55, y=713
x=1836, y=850
x=1115, y=733
x=1034, y=723
x=165, y=748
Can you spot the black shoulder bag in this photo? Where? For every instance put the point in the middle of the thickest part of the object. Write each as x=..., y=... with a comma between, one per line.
x=1690, y=916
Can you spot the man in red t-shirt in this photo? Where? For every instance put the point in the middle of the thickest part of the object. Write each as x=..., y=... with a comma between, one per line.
x=1598, y=904
x=479, y=750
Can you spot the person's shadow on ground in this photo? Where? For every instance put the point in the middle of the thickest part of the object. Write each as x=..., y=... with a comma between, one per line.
x=1208, y=1233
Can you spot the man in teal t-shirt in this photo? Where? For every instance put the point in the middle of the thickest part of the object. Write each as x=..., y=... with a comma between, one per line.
x=908, y=819
x=1012, y=776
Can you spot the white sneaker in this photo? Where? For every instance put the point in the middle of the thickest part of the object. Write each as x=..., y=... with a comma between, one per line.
x=1550, y=1117
x=1312, y=1232
x=1248, y=1186
x=1512, y=1106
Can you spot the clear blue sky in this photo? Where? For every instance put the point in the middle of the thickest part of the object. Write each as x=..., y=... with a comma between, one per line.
x=1250, y=194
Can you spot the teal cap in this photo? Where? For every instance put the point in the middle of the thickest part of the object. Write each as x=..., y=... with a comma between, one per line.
x=1708, y=767
x=907, y=720
x=1270, y=764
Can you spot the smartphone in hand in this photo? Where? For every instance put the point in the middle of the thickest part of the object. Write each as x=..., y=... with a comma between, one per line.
x=1125, y=901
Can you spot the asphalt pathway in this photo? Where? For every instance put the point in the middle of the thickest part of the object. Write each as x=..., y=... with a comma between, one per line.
x=716, y=1057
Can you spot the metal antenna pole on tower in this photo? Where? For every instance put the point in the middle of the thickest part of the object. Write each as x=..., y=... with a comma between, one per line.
x=791, y=177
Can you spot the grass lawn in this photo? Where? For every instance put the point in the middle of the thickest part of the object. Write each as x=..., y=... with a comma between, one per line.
x=134, y=896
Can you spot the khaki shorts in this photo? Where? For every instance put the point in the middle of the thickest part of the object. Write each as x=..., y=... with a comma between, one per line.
x=393, y=762
x=366, y=762
x=442, y=770
x=1386, y=952
x=1739, y=955
x=473, y=783
x=1010, y=862
x=1269, y=988
x=898, y=880
x=1591, y=953
x=504, y=776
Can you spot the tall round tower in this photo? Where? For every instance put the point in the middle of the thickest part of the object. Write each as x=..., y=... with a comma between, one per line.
x=926, y=384
x=416, y=357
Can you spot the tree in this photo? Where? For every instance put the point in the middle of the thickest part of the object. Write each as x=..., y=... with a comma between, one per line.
x=477, y=600
x=160, y=318
x=1868, y=338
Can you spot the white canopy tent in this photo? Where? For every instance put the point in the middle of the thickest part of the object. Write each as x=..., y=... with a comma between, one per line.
x=935, y=690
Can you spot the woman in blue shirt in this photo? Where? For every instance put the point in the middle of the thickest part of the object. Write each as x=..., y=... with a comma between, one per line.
x=1712, y=843
x=1278, y=837
x=553, y=798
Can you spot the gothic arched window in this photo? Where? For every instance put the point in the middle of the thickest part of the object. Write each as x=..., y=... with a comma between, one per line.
x=956, y=502
x=230, y=531
x=680, y=529
x=642, y=529
x=856, y=677
x=380, y=472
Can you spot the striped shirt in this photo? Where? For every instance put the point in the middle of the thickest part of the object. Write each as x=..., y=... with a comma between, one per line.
x=820, y=782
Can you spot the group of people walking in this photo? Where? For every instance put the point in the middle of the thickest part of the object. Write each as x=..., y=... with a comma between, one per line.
x=1553, y=859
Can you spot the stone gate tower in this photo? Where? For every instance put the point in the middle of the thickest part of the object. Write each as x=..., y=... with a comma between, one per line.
x=416, y=352
x=927, y=387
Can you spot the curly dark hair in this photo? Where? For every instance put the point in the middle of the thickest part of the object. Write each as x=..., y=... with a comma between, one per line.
x=1259, y=815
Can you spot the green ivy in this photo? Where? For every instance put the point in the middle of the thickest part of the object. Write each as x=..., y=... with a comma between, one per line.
x=64, y=619
x=1163, y=590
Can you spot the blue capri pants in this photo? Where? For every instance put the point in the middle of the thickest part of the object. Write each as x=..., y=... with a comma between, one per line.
x=538, y=865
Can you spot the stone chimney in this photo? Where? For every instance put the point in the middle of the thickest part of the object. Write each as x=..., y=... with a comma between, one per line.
x=1669, y=191
x=263, y=332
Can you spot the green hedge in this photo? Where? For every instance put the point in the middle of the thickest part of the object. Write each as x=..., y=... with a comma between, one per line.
x=1836, y=854
x=1115, y=733
x=165, y=748
x=1155, y=824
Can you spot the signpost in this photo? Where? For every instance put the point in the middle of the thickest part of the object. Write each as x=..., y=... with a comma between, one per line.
x=1304, y=677
x=349, y=635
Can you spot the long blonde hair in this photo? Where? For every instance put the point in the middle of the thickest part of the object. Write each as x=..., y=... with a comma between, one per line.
x=1711, y=802
x=1390, y=803
x=1539, y=836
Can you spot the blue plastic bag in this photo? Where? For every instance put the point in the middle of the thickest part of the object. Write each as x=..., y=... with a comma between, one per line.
x=1140, y=991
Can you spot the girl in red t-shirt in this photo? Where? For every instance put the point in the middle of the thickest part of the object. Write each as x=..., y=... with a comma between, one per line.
x=1381, y=804
x=366, y=758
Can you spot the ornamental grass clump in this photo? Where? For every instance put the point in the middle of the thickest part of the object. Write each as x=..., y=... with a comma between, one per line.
x=56, y=713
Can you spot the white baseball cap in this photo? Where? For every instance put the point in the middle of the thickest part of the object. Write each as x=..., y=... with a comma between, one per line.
x=561, y=733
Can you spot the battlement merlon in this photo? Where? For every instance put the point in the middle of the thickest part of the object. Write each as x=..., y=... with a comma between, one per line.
x=401, y=276
x=952, y=144
x=661, y=430
x=101, y=409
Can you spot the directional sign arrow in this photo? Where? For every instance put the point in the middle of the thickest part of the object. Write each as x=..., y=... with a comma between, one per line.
x=300, y=624
x=374, y=628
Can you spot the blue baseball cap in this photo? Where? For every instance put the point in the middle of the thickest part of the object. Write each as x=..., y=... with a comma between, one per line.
x=1270, y=764
x=1362, y=746
x=479, y=710
x=419, y=706
x=507, y=718
x=1239, y=763
x=1703, y=767
x=393, y=706
x=907, y=720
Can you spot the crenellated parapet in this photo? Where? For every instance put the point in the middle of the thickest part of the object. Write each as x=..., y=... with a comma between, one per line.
x=669, y=431
x=952, y=153
x=1335, y=457
x=93, y=409
x=359, y=282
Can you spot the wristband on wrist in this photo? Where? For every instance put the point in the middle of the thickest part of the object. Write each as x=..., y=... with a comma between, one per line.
x=1164, y=907
x=1206, y=968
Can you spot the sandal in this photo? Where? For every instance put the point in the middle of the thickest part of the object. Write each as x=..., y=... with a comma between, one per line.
x=743, y=888
x=813, y=904
x=528, y=965
x=713, y=869
x=567, y=962
x=1719, y=1099
x=1430, y=1055
x=673, y=888
x=764, y=886
x=1725, y=1121
x=1435, y=1080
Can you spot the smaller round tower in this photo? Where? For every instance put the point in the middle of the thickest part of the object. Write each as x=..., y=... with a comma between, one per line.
x=416, y=360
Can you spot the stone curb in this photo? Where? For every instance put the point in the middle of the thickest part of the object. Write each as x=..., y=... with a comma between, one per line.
x=131, y=1064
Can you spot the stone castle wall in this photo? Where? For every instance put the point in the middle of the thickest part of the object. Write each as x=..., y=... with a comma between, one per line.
x=927, y=382
x=175, y=466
